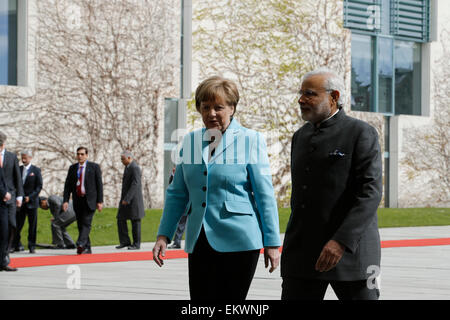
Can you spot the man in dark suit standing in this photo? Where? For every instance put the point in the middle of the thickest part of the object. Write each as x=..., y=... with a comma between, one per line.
x=332, y=235
x=32, y=185
x=84, y=183
x=11, y=172
x=5, y=196
x=131, y=206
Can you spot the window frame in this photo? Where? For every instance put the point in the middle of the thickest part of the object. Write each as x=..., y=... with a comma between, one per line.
x=375, y=36
x=27, y=22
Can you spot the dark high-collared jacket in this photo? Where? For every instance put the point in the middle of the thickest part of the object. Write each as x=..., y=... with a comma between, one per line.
x=336, y=189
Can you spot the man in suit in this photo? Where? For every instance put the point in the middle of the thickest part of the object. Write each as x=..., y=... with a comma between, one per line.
x=60, y=221
x=84, y=183
x=131, y=206
x=13, y=179
x=5, y=196
x=332, y=236
x=32, y=185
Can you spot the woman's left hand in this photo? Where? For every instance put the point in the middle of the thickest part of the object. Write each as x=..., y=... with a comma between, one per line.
x=272, y=254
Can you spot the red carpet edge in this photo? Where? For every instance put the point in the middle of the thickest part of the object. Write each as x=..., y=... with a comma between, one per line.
x=25, y=262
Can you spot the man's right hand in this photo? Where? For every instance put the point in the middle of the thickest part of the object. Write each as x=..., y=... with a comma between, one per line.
x=7, y=197
x=65, y=206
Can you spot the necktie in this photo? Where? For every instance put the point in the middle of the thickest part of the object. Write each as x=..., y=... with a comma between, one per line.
x=24, y=174
x=80, y=178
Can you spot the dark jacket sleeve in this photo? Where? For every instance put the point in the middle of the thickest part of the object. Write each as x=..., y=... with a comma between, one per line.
x=38, y=186
x=68, y=186
x=99, y=183
x=368, y=171
x=3, y=186
x=17, y=176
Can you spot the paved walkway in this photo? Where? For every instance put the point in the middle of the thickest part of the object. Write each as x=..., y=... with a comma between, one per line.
x=408, y=273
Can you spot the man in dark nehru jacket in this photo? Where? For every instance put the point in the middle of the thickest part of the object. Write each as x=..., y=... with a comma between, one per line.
x=332, y=235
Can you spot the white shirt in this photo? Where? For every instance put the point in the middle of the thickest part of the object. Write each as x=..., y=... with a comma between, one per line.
x=25, y=171
x=83, y=190
x=330, y=116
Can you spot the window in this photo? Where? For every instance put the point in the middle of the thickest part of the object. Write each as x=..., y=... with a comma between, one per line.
x=8, y=42
x=387, y=37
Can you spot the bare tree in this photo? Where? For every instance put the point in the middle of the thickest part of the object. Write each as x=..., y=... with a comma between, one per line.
x=104, y=69
x=266, y=47
x=427, y=148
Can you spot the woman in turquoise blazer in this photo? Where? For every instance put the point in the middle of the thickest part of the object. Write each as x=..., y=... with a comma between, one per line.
x=223, y=183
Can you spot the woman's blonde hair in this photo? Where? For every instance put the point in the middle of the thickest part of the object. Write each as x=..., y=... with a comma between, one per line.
x=214, y=87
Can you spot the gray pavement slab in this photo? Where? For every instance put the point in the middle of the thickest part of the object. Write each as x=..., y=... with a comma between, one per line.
x=407, y=273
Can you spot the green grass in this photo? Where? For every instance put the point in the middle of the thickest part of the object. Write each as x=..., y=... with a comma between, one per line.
x=104, y=226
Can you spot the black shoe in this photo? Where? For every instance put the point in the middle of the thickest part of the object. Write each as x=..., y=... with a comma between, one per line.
x=121, y=246
x=32, y=250
x=61, y=246
x=175, y=246
x=70, y=246
x=134, y=247
x=80, y=250
x=87, y=251
x=7, y=268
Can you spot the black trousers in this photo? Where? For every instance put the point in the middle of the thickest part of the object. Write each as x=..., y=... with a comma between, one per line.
x=314, y=289
x=220, y=276
x=122, y=228
x=84, y=217
x=3, y=234
x=12, y=223
x=22, y=214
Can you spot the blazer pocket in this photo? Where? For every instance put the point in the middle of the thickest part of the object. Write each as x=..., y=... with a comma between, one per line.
x=239, y=207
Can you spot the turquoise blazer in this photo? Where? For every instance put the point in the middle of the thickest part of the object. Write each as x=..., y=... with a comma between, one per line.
x=230, y=194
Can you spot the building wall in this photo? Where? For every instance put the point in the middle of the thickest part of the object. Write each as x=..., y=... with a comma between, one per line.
x=97, y=73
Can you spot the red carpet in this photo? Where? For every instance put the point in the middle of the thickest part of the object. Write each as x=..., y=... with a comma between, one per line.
x=172, y=254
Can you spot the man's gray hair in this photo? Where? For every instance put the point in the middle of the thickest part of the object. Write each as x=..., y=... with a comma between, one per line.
x=27, y=153
x=333, y=82
x=127, y=154
x=2, y=138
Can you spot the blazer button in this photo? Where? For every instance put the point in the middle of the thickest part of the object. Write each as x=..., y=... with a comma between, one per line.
x=205, y=173
x=203, y=204
x=304, y=187
x=204, y=188
x=302, y=206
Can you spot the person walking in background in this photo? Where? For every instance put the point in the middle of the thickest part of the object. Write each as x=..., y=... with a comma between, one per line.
x=332, y=235
x=226, y=187
x=84, y=183
x=12, y=176
x=131, y=205
x=60, y=221
x=32, y=186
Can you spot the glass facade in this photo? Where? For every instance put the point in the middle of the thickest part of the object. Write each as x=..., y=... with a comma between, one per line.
x=385, y=75
x=361, y=73
x=8, y=42
x=407, y=77
x=386, y=54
